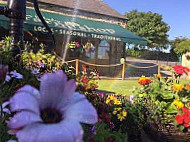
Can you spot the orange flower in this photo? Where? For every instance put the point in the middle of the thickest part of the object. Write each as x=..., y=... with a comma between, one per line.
x=159, y=76
x=187, y=87
x=177, y=87
x=144, y=81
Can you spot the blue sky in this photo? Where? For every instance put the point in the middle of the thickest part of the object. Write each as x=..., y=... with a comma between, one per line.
x=176, y=13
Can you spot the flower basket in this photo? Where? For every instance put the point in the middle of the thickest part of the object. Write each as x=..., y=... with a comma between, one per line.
x=166, y=133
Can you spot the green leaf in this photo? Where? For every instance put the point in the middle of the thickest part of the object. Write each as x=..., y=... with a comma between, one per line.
x=167, y=95
x=181, y=127
x=172, y=109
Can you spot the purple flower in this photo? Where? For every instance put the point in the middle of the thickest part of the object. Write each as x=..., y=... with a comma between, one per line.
x=53, y=114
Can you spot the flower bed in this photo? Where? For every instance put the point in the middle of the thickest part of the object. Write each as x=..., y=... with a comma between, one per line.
x=39, y=103
x=165, y=104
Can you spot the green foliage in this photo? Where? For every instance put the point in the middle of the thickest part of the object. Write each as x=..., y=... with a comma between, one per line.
x=108, y=112
x=133, y=53
x=45, y=62
x=103, y=133
x=150, y=26
x=182, y=47
x=162, y=100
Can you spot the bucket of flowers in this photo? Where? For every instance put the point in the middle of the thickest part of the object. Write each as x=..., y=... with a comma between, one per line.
x=75, y=48
x=165, y=104
x=89, y=47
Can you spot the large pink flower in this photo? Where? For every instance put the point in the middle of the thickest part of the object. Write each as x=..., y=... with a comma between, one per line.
x=52, y=114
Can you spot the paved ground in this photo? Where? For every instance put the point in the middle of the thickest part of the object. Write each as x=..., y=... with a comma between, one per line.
x=133, y=72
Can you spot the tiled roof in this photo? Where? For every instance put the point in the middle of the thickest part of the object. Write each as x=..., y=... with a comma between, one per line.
x=95, y=6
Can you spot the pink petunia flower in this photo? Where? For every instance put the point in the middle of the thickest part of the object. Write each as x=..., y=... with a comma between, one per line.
x=52, y=114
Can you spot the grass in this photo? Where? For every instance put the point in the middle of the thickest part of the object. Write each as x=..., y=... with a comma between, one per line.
x=117, y=86
x=123, y=87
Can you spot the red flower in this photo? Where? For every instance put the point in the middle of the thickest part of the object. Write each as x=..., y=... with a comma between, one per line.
x=186, y=117
x=179, y=119
x=185, y=110
x=186, y=125
x=85, y=67
x=180, y=70
x=84, y=79
x=144, y=81
x=109, y=140
x=18, y=86
x=106, y=117
x=91, y=140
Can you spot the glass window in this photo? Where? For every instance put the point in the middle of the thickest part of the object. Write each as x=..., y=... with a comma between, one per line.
x=103, y=50
x=90, y=50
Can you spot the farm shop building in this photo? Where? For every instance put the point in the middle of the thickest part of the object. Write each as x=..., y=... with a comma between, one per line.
x=84, y=29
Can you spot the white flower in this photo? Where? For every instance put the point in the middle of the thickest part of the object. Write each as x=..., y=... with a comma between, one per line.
x=35, y=71
x=52, y=114
x=131, y=99
x=4, y=109
x=7, y=78
x=15, y=74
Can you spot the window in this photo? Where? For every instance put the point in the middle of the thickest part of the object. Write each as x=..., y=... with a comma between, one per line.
x=103, y=50
x=90, y=50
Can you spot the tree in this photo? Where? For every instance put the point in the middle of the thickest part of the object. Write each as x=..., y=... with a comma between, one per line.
x=174, y=43
x=182, y=47
x=150, y=26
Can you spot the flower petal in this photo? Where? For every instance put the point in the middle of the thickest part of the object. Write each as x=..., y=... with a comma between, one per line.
x=30, y=89
x=22, y=119
x=81, y=110
x=53, y=88
x=5, y=104
x=24, y=101
x=69, y=90
x=11, y=141
x=6, y=110
x=65, y=131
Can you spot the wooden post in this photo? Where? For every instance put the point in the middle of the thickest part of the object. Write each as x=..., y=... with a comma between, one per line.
x=123, y=71
x=77, y=66
x=159, y=67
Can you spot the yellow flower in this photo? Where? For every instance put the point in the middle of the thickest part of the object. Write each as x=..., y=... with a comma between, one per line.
x=177, y=87
x=142, y=95
x=116, y=110
x=109, y=99
x=117, y=102
x=159, y=76
x=122, y=115
x=178, y=104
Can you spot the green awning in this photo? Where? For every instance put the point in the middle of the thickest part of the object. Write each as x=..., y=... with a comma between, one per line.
x=74, y=26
